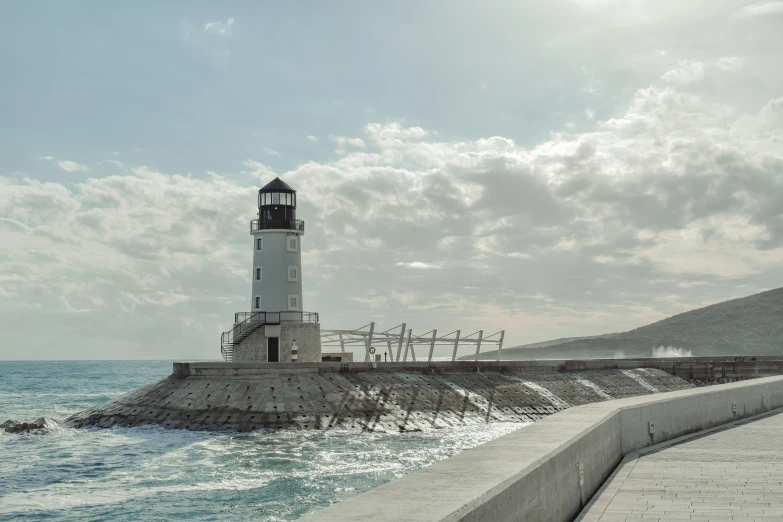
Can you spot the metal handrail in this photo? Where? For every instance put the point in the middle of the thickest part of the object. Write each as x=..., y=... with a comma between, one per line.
x=288, y=316
x=279, y=224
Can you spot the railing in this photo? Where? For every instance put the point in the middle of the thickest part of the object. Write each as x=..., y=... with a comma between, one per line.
x=276, y=317
x=398, y=337
x=279, y=224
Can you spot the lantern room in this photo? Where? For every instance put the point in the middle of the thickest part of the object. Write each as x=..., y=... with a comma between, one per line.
x=277, y=207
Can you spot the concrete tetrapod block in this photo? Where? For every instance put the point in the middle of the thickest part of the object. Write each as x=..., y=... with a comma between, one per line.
x=533, y=473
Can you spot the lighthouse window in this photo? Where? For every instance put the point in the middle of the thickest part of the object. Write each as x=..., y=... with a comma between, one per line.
x=257, y=302
x=293, y=273
x=292, y=244
x=287, y=199
x=259, y=243
x=258, y=273
x=293, y=302
x=275, y=198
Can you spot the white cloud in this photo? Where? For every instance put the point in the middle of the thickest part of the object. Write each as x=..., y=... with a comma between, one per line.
x=687, y=72
x=258, y=169
x=72, y=166
x=46, y=158
x=272, y=152
x=312, y=138
x=419, y=265
x=219, y=28
x=730, y=63
x=116, y=163
x=675, y=187
x=760, y=9
x=353, y=142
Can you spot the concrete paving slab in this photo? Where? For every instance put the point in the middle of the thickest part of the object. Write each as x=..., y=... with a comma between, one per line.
x=731, y=472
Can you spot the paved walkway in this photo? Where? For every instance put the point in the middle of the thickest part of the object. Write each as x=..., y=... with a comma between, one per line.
x=734, y=472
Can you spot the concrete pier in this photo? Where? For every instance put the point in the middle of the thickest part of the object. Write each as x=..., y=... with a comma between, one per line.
x=387, y=397
x=733, y=472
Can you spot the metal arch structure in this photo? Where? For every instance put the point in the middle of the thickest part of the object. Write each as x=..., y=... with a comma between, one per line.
x=399, y=337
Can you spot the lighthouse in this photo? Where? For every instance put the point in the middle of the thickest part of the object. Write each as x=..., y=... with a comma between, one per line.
x=277, y=328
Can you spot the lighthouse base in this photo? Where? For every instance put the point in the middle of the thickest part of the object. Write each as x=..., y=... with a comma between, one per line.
x=273, y=343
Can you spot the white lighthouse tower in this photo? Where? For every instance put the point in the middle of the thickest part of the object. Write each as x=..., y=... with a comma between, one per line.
x=277, y=253
x=277, y=327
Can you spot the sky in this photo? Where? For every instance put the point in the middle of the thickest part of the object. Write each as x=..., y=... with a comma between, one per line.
x=554, y=169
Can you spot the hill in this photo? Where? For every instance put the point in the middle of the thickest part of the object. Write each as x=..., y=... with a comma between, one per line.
x=750, y=325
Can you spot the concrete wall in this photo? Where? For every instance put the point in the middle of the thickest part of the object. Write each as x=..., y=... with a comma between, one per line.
x=533, y=474
x=306, y=335
x=696, y=369
x=274, y=287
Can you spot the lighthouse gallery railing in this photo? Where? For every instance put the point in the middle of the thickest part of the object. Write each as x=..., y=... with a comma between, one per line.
x=277, y=224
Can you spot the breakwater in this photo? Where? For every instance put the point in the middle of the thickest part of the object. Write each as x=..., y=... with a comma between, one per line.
x=357, y=396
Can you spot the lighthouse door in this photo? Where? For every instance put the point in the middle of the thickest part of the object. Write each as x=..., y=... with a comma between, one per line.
x=273, y=349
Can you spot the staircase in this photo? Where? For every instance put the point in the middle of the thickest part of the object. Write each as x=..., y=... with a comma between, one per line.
x=239, y=333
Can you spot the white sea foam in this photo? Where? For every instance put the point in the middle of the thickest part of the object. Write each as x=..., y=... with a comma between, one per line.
x=640, y=380
x=670, y=351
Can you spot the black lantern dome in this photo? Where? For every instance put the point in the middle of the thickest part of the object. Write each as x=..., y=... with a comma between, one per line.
x=277, y=207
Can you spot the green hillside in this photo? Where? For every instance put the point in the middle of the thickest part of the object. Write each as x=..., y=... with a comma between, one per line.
x=750, y=325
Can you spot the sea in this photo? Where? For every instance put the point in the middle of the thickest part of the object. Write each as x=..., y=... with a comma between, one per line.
x=149, y=473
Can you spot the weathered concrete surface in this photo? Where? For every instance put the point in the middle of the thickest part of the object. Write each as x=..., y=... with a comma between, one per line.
x=250, y=396
x=734, y=472
x=711, y=370
x=306, y=335
x=549, y=470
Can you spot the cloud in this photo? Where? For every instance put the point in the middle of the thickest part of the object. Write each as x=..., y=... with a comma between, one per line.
x=687, y=72
x=730, y=63
x=258, y=169
x=272, y=152
x=72, y=166
x=312, y=138
x=219, y=28
x=419, y=265
x=116, y=163
x=353, y=142
x=578, y=232
x=66, y=165
x=760, y=9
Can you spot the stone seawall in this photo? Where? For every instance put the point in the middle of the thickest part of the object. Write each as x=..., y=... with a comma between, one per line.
x=389, y=397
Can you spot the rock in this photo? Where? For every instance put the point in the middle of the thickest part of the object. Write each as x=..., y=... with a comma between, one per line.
x=41, y=425
x=46, y=422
